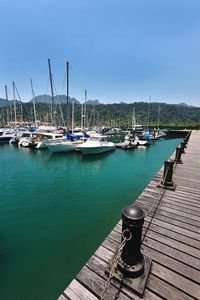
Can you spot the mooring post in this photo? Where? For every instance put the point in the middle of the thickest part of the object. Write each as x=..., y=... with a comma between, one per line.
x=185, y=142
x=167, y=181
x=133, y=267
x=178, y=155
x=132, y=261
x=182, y=147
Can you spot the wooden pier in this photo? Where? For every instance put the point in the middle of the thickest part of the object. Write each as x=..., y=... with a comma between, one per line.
x=171, y=238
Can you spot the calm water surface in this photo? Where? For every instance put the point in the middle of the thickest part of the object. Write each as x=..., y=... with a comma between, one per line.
x=56, y=209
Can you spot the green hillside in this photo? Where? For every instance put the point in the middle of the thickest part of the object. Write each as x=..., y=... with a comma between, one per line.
x=116, y=115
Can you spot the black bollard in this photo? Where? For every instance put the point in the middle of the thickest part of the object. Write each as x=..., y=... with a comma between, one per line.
x=178, y=156
x=185, y=142
x=132, y=262
x=167, y=181
x=182, y=148
x=133, y=267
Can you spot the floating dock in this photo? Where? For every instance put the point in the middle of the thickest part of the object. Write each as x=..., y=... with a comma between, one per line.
x=171, y=239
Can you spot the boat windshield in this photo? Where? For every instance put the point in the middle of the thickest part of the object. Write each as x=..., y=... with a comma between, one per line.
x=98, y=139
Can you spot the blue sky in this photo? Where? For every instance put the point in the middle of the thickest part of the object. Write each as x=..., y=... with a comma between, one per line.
x=119, y=50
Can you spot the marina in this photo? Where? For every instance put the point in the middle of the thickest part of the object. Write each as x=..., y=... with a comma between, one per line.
x=50, y=203
x=99, y=150
x=170, y=239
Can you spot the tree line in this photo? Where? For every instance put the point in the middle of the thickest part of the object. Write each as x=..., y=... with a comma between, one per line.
x=108, y=115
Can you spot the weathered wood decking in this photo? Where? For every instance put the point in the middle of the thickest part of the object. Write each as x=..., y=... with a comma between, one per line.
x=171, y=238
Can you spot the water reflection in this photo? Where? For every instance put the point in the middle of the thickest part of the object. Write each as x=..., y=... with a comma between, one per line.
x=95, y=157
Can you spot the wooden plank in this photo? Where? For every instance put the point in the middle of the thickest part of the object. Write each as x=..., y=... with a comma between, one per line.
x=77, y=291
x=179, y=256
x=177, y=229
x=62, y=298
x=174, y=243
x=98, y=266
x=177, y=215
x=176, y=222
x=176, y=236
x=165, y=290
x=95, y=283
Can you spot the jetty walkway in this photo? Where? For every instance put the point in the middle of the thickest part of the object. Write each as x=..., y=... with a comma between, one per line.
x=170, y=238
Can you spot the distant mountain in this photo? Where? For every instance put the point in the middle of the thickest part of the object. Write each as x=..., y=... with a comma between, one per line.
x=93, y=102
x=183, y=104
x=119, y=113
x=58, y=99
x=3, y=102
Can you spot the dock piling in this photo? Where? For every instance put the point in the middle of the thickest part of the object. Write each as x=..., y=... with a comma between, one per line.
x=167, y=181
x=183, y=147
x=132, y=262
x=133, y=267
x=178, y=155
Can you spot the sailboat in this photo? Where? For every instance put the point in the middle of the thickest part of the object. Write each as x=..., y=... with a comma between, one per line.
x=158, y=133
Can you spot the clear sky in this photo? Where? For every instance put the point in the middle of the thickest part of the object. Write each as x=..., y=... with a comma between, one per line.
x=119, y=50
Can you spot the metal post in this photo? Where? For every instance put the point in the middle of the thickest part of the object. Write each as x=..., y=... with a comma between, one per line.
x=132, y=261
x=167, y=181
x=185, y=142
x=182, y=147
x=133, y=267
x=178, y=156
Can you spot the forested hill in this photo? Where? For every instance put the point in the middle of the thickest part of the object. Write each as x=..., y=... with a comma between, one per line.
x=112, y=114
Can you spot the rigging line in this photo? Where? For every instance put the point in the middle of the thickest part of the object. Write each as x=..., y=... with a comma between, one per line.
x=21, y=107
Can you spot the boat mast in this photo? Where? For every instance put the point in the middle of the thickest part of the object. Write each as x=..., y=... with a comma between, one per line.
x=85, y=110
x=82, y=115
x=72, y=116
x=133, y=119
x=52, y=94
x=67, y=120
x=34, y=110
x=15, y=112
x=149, y=113
x=21, y=108
x=6, y=91
x=158, y=123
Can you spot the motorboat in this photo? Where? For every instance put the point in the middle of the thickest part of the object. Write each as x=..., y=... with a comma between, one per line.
x=64, y=145
x=6, y=135
x=96, y=144
x=143, y=140
x=39, y=140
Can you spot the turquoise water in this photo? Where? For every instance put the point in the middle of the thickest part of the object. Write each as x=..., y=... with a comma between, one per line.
x=56, y=209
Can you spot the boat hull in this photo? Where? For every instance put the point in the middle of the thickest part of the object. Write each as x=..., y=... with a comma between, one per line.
x=96, y=150
x=64, y=147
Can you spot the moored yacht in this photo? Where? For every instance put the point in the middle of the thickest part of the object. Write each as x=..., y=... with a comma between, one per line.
x=6, y=135
x=64, y=145
x=96, y=144
x=39, y=140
